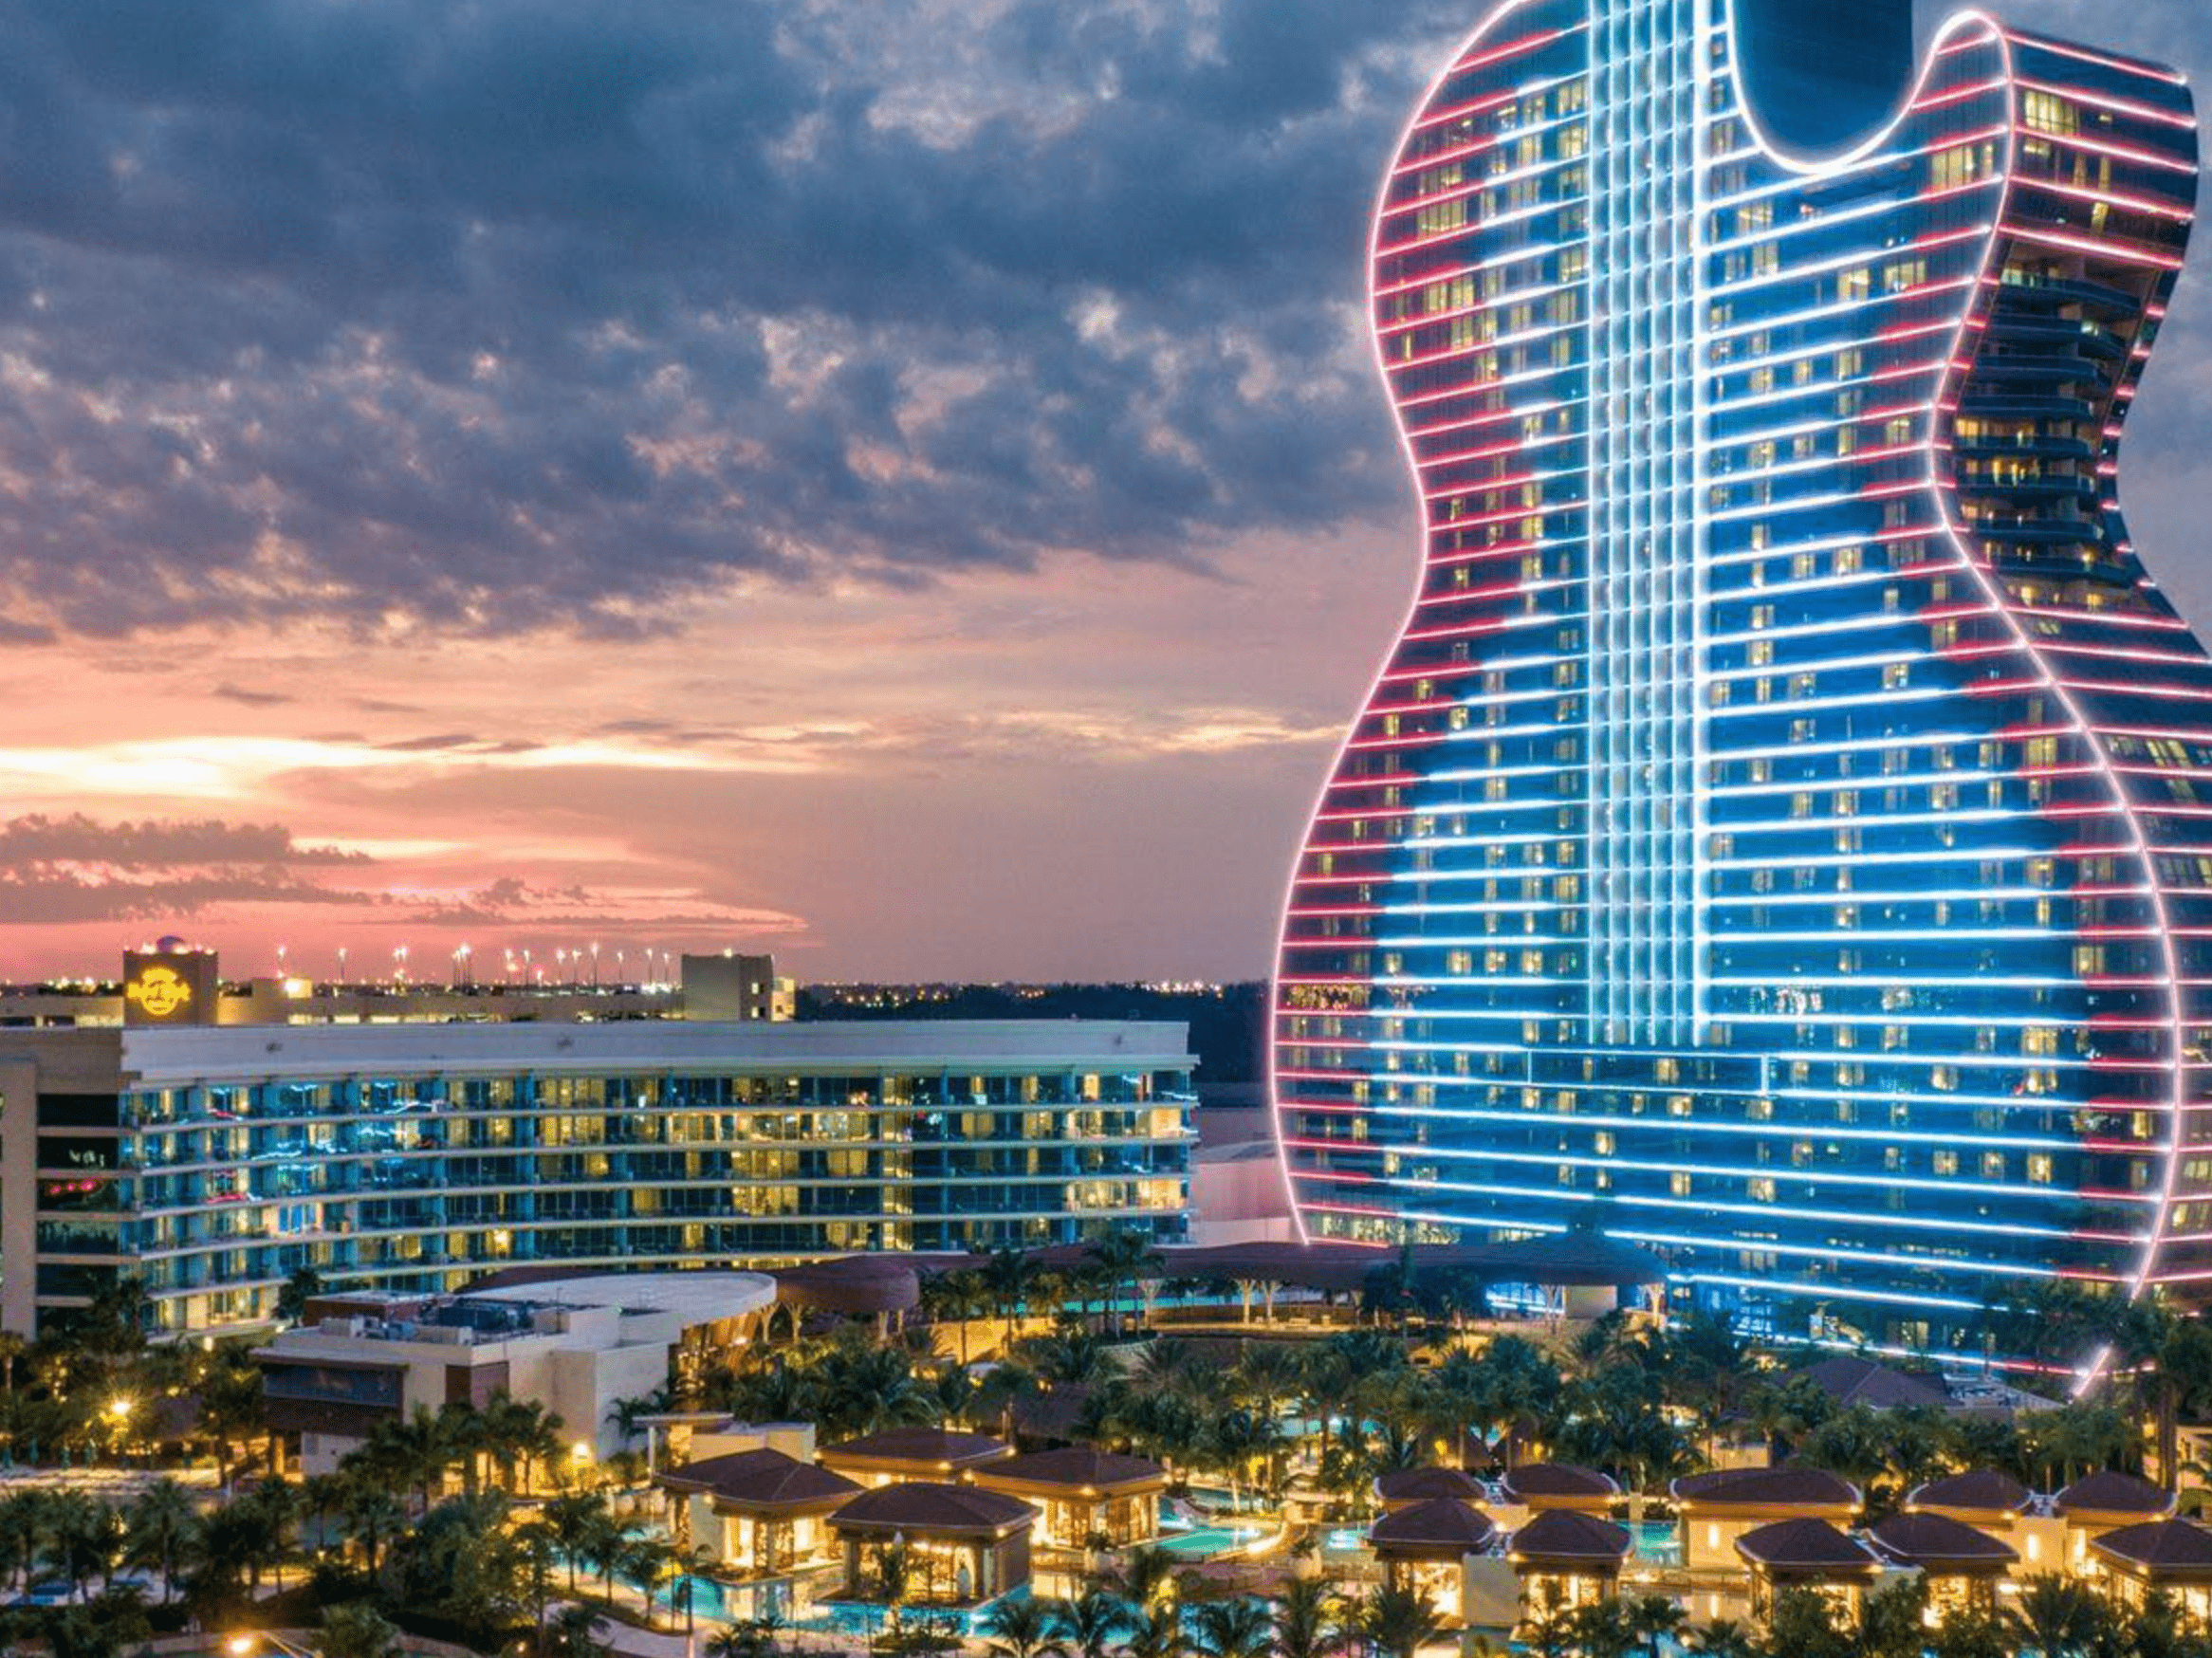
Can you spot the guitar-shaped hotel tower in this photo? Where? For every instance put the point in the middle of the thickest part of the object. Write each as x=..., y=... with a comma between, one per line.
x=1781, y=837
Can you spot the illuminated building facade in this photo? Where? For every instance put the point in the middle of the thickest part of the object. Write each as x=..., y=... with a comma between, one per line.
x=210, y=1163
x=1782, y=836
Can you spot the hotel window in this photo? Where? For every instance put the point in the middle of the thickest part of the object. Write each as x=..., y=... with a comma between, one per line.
x=2046, y=112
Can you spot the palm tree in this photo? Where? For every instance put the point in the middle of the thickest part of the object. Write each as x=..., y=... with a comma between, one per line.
x=602, y=1549
x=304, y=1285
x=23, y=1530
x=626, y=1416
x=1020, y=1629
x=1123, y=1258
x=1233, y=1628
x=1008, y=1274
x=1147, y=1574
x=520, y=1433
x=1266, y=1376
x=1653, y=1618
x=535, y=1548
x=2053, y=1616
x=576, y=1633
x=1305, y=1619
x=574, y=1517
x=163, y=1527
x=645, y=1564
x=1088, y=1626
x=76, y=1536
x=358, y=1630
x=370, y=1512
x=1398, y=1621
x=1601, y=1629
x=1723, y=1638
x=12, y=1347
x=1156, y=1631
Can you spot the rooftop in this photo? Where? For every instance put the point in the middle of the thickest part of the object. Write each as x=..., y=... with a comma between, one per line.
x=2160, y=1547
x=696, y=1297
x=1805, y=1545
x=1535, y=1483
x=181, y=1055
x=1787, y=1487
x=765, y=1478
x=1420, y=1484
x=1443, y=1526
x=2111, y=1492
x=1934, y=1541
x=937, y=1509
x=1566, y=1536
x=1074, y=1468
x=1858, y=1381
x=1978, y=1491
x=943, y=1447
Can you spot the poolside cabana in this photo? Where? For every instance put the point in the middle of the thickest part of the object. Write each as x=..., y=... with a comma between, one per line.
x=1961, y=1564
x=1424, y=1546
x=1808, y=1555
x=760, y=1513
x=958, y=1546
x=1082, y=1494
x=1563, y=1559
x=2171, y=1557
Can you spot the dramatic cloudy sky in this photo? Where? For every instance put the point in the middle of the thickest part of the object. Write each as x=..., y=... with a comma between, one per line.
x=898, y=481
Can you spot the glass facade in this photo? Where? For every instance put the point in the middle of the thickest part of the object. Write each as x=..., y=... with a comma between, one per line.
x=1779, y=837
x=212, y=1191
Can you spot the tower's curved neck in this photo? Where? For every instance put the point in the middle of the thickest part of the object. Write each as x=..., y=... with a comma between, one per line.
x=1821, y=74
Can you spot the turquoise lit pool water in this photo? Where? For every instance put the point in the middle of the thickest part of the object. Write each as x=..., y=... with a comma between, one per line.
x=1204, y=1542
x=1344, y=1539
x=1657, y=1542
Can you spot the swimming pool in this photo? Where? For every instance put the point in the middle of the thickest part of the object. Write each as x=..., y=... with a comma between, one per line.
x=1657, y=1542
x=1204, y=1542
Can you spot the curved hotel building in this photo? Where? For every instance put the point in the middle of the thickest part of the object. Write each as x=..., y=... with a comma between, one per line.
x=1781, y=836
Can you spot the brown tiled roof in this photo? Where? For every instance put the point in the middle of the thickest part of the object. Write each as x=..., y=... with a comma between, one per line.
x=1805, y=1545
x=1859, y=1381
x=2161, y=1547
x=1976, y=1491
x=1441, y=1525
x=851, y=1283
x=759, y=1479
x=1933, y=1541
x=1541, y=1479
x=1768, y=1488
x=2111, y=1492
x=1420, y=1484
x=1560, y=1534
x=1074, y=1467
x=941, y=1510
x=940, y=1446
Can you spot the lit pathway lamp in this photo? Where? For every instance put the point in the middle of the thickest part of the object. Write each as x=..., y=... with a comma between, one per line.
x=246, y=1643
x=119, y=1417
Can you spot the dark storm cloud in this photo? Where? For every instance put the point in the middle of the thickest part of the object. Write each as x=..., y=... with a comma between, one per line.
x=62, y=870
x=495, y=314
x=38, y=842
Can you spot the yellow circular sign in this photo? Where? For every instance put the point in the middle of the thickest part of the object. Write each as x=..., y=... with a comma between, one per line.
x=159, y=991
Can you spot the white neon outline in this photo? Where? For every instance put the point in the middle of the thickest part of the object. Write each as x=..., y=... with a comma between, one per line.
x=1939, y=448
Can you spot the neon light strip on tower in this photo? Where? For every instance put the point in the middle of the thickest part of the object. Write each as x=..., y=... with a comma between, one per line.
x=1865, y=869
